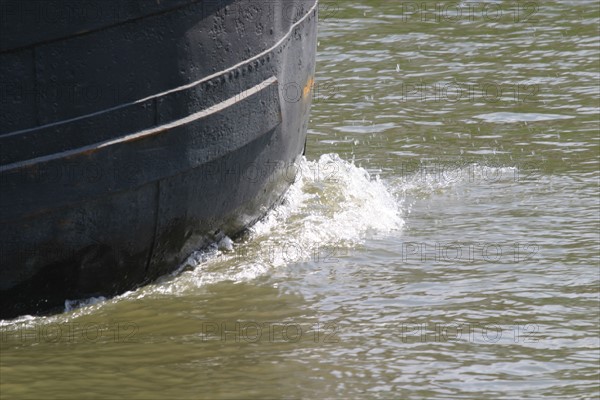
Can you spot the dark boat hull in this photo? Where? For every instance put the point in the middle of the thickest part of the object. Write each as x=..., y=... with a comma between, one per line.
x=131, y=139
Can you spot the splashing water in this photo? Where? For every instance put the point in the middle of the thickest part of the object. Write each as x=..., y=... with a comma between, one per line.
x=332, y=203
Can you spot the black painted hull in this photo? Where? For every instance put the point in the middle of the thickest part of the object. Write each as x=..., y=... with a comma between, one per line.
x=128, y=138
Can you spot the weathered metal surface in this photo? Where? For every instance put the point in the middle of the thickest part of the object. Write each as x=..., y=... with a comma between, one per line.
x=128, y=140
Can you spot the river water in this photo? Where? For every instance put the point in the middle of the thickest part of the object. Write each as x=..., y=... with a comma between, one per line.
x=441, y=240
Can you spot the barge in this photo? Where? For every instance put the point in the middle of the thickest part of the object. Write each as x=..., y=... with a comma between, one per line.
x=134, y=132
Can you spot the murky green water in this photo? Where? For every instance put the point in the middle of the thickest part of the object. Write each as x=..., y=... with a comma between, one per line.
x=442, y=244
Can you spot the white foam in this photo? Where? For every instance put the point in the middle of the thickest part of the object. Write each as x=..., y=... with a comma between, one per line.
x=332, y=203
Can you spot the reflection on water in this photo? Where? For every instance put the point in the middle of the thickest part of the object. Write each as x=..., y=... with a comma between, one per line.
x=442, y=242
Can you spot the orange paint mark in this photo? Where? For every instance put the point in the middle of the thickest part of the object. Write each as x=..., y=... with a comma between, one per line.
x=308, y=87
